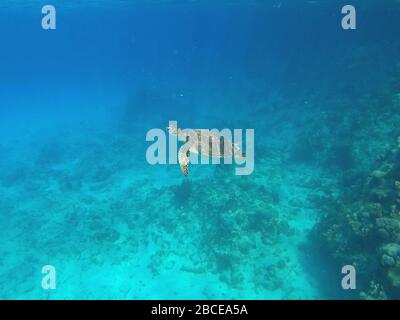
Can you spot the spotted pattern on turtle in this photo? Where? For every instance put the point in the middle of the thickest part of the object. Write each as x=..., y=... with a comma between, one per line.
x=204, y=142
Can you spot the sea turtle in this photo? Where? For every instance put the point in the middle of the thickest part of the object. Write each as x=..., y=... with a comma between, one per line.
x=205, y=142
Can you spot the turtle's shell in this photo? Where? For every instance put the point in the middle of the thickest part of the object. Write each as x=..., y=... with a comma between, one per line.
x=211, y=144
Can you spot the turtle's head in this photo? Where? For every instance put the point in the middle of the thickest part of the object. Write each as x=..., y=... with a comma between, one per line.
x=172, y=129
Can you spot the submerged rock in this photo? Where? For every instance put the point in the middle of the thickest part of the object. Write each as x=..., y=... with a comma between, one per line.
x=389, y=228
x=394, y=277
x=387, y=261
x=391, y=249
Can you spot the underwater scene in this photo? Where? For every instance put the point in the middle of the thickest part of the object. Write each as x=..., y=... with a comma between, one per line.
x=316, y=216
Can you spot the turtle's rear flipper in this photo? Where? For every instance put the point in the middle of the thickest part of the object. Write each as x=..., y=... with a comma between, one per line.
x=183, y=159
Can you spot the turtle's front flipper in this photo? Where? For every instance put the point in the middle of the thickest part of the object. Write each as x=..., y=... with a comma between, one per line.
x=183, y=158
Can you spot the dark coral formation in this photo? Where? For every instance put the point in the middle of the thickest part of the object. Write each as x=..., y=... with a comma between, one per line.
x=363, y=229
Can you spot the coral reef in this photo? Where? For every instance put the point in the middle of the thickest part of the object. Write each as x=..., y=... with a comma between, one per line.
x=365, y=229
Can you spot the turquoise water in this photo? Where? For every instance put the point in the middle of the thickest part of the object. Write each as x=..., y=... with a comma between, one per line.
x=77, y=193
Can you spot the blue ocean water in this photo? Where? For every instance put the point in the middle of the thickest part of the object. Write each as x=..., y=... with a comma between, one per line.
x=77, y=193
